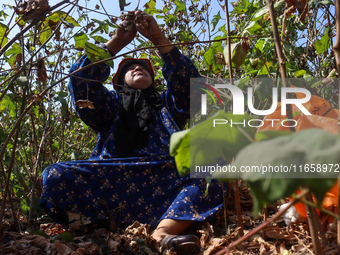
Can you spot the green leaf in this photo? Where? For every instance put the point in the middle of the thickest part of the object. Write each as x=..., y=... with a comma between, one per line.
x=208, y=181
x=11, y=60
x=307, y=147
x=260, y=44
x=66, y=236
x=19, y=177
x=37, y=232
x=253, y=27
x=179, y=148
x=241, y=82
x=264, y=69
x=270, y=134
x=24, y=207
x=210, y=94
x=264, y=89
x=122, y=4
x=61, y=97
x=238, y=55
x=100, y=22
x=80, y=40
x=67, y=19
x=217, y=46
x=323, y=45
x=215, y=20
x=3, y=38
x=204, y=144
x=95, y=53
x=101, y=25
x=327, y=2
x=300, y=73
x=180, y=6
x=3, y=136
x=265, y=9
x=111, y=24
x=99, y=38
x=8, y=102
x=226, y=54
x=67, y=24
x=184, y=36
x=209, y=60
x=279, y=4
x=54, y=17
x=45, y=34
x=150, y=7
x=14, y=50
x=259, y=14
x=171, y=19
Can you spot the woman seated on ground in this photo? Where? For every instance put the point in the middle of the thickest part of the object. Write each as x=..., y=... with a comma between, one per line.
x=130, y=175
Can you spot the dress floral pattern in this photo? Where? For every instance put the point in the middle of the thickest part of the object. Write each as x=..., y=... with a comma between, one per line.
x=145, y=186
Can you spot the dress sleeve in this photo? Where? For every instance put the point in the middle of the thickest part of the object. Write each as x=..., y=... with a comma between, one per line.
x=177, y=71
x=89, y=86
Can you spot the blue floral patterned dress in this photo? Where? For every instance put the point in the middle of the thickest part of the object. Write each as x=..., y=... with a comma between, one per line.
x=144, y=187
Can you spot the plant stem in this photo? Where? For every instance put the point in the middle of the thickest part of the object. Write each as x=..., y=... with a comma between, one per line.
x=238, y=210
x=313, y=227
x=228, y=43
x=282, y=62
x=7, y=191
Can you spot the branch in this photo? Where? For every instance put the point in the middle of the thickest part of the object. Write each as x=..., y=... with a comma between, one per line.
x=281, y=57
x=10, y=42
x=228, y=42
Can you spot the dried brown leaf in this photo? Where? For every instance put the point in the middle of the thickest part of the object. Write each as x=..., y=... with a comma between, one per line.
x=42, y=75
x=267, y=249
x=207, y=233
x=39, y=241
x=37, y=98
x=276, y=232
x=300, y=5
x=215, y=245
x=82, y=104
x=62, y=249
x=31, y=8
x=281, y=248
x=137, y=231
x=79, y=251
x=332, y=230
x=113, y=245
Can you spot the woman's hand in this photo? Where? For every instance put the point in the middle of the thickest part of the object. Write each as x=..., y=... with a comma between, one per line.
x=152, y=31
x=121, y=39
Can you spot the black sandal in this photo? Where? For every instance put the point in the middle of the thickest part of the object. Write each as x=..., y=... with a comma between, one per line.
x=181, y=244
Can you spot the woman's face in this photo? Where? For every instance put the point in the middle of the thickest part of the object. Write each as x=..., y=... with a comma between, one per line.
x=138, y=77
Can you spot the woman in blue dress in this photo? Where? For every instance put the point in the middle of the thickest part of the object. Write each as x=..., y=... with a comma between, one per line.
x=130, y=175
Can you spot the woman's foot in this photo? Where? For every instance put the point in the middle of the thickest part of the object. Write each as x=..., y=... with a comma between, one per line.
x=181, y=244
x=167, y=235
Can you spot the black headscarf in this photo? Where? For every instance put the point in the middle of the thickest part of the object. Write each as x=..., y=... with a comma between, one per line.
x=135, y=116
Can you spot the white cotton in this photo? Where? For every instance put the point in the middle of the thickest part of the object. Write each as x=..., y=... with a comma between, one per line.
x=291, y=215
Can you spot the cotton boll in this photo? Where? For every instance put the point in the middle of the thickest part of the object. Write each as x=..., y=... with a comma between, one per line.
x=291, y=215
